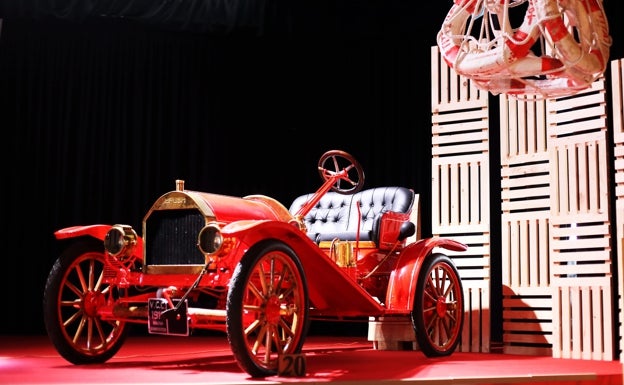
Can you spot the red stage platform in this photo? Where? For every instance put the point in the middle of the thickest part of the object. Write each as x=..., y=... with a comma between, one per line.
x=343, y=360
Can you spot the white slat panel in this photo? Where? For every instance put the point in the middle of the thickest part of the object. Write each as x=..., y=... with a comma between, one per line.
x=528, y=164
x=617, y=118
x=460, y=189
x=585, y=99
x=559, y=283
x=451, y=125
x=617, y=99
x=459, y=138
x=582, y=256
x=580, y=243
x=581, y=230
x=545, y=328
x=558, y=244
x=522, y=194
x=577, y=120
x=525, y=205
x=527, y=179
x=468, y=147
x=577, y=270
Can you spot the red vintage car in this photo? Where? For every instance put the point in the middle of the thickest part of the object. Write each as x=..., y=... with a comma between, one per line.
x=256, y=270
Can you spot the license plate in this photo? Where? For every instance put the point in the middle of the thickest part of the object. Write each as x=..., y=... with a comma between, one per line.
x=161, y=319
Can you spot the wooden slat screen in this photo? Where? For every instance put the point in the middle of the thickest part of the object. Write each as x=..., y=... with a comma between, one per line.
x=460, y=190
x=580, y=227
x=617, y=120
x=560, y=169
x=525, y=221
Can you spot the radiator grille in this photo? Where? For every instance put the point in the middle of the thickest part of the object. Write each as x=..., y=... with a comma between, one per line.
x=171, y=237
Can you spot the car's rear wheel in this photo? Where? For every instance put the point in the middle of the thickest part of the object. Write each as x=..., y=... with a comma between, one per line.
x=267, y=308
x=73, y=294
x=438, y=313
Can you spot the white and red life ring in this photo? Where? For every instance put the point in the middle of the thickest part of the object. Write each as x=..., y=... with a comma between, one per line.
x=512, y=67
x=550, y=87
x=582, y=61
x=586, y=59
x=470, y=58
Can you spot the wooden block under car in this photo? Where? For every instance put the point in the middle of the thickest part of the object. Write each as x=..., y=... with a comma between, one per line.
x=392, y=333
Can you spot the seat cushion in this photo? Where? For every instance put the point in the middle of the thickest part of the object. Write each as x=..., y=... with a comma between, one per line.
x=338, y=216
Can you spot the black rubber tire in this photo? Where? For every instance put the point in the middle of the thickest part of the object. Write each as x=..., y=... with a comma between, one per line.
x=267, y=308
x=438, y=314
x=71, y=298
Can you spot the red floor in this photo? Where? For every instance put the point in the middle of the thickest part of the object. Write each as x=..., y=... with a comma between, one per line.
x=345, y=360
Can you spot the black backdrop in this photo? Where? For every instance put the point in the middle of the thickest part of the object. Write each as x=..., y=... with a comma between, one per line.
x=100, y=115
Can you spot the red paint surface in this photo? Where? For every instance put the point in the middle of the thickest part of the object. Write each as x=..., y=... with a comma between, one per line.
x=208, y=360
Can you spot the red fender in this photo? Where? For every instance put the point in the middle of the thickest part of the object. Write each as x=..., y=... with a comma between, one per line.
x=402, y=285
x=331, y=289
x=95, y=231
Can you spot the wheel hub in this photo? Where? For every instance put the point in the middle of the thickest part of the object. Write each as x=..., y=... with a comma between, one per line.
x=441, y=307
x=91, y=302
x=273, y=310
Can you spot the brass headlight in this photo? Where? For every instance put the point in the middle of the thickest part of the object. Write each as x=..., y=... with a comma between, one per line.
x=120, y=239
x=210, y=239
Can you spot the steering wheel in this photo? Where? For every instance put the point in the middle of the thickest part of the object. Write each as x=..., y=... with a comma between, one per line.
x=344, y=169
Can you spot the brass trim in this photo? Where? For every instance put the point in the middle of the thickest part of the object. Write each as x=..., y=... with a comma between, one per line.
x=173, y=269
x=361, y=244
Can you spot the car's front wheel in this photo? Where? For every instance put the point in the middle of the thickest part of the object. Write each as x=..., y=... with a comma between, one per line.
x=438, y=313
x=74, y=292
x=267, y=308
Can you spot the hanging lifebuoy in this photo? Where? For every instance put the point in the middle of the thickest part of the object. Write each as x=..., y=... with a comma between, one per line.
x=509, y=66
x=582, y=61
x=470, y=57
x=549, y=87
x=586, y=59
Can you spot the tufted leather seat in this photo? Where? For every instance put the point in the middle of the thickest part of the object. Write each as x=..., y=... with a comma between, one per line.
x=337, y=215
